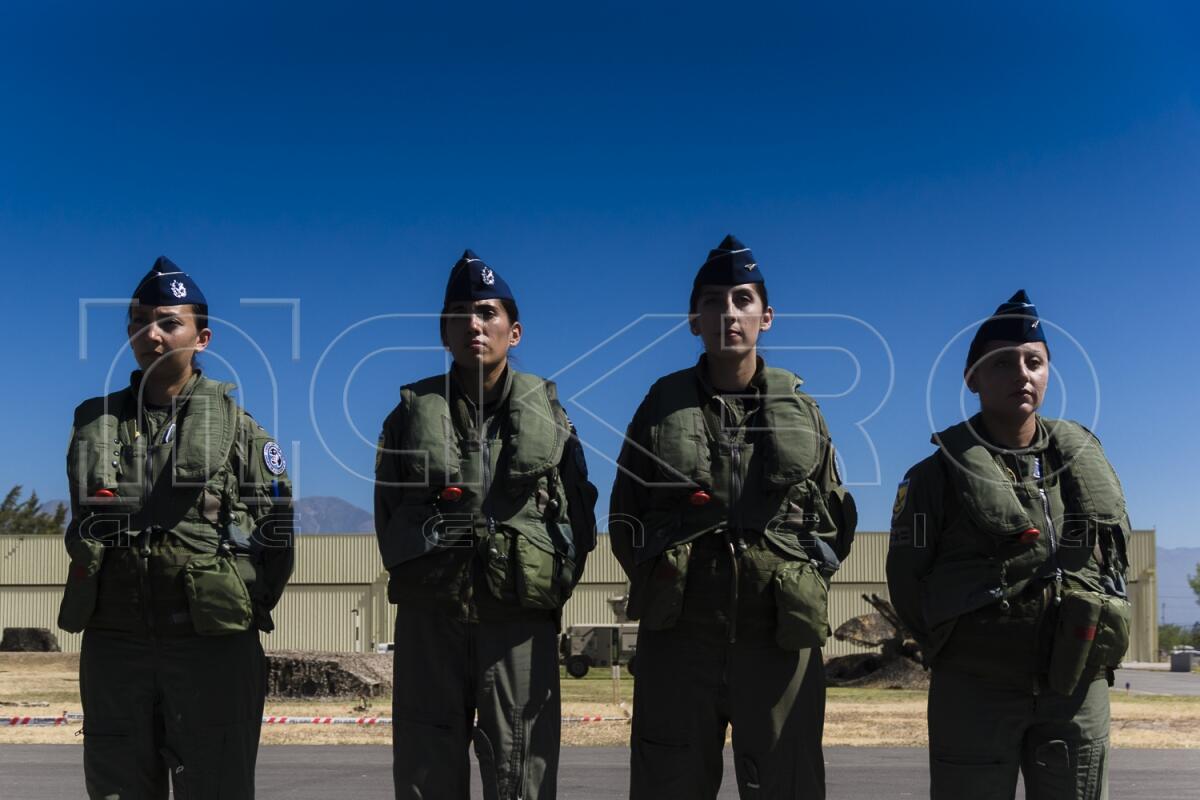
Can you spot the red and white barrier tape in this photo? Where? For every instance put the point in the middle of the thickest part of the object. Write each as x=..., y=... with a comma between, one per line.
x=67, y=718
x=33, y=722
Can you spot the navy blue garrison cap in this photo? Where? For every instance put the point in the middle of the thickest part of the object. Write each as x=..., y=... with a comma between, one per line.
x=471, y=279
x=731, y=264
x=167, y=285
x=1014, y=321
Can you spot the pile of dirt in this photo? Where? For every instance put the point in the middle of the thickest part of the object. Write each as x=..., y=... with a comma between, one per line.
x=875, y=671
x=308, y=674
x=29, y=640
x=897, y=665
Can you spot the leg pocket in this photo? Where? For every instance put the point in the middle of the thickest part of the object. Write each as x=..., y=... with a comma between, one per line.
x=1060, y=769
x=429, y=759
x=956, y=778
x=109, y=761
x=214, y=762
x=665, y=770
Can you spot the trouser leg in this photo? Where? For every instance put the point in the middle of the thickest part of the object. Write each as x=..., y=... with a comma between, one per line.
x=975, y=737
x=1065, y=756
x=213, y=689
x=679, y=718
x=777, y=708
x=432, y=710
x=122, y=729
x=517, y=694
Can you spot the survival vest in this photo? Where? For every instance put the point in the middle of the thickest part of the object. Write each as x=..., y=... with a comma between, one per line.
x=146, y=550
x=692, y=453
x=988, y=563
x=509, y=505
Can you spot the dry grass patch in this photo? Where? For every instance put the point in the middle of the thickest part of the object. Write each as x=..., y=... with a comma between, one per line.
x=854, y=717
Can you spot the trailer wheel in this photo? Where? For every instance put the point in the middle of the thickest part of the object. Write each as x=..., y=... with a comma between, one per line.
x=578, y=665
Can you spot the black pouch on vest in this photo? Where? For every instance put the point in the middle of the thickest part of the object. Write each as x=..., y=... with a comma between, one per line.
x=1074, y=639
x=83, y=583
x=802, y=606
x=217, y=597
x=657, y=600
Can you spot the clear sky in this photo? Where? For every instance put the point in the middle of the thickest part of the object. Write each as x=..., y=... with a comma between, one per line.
x=898, y=168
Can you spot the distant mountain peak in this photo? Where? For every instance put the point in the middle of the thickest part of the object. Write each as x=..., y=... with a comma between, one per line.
x=332, y=515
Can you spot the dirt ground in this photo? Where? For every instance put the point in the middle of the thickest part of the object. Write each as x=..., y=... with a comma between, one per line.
x=46, y=684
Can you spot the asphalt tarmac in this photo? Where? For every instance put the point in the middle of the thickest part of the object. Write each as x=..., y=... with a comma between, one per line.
x=1149, y=681
x=298, y=772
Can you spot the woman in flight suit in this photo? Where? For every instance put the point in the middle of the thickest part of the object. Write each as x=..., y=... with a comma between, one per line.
x=1007, y=563
x=485, y=517
x=181, y=544
x=729, y=518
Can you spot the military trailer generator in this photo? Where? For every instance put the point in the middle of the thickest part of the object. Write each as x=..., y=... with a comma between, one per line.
x=599, y=645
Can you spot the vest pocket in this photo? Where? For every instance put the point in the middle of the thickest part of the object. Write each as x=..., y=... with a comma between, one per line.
x=1074, y=638
x=217, y=597
x=542, y=574
x=83, y=584
x=1112, y=633
x=656, y=595
x=802, y=606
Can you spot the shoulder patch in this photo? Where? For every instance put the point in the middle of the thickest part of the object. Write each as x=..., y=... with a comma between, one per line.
x=901, y=498
x=273, y=458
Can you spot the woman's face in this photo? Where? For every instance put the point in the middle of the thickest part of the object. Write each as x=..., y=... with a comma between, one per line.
x=729, y=319
x=479, y=333
x=1010, y=378
x=164, y=338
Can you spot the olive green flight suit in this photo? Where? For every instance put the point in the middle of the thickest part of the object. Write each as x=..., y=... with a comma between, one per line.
x=984, y=606
x=705, y=586
x=173, y=681
x=477, y=602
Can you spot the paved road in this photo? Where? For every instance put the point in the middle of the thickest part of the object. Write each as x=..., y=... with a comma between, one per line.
x=1146, y=681
x=295, y=772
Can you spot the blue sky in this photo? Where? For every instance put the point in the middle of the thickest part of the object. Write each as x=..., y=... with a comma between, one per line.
x=898, y=169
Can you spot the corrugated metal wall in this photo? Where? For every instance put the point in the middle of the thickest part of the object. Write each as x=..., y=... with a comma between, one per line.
x=589, y=603
x=32, y=561
x=35, y=607
x=322, y=617
x=338, y=574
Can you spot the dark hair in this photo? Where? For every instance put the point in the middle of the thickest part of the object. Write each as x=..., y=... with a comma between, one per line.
x=509, y=306
x=761, y=288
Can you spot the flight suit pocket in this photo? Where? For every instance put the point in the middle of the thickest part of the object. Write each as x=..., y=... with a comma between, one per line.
x=802, y=606
x=83, y=584
x=217, y=597
x=657, y=599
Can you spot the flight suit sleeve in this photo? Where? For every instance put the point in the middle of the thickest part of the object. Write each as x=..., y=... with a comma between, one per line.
x=266, y=490
x=628, y=499
x=917, y=519
x=581, y=497
x=843, y=513
x=388, y=475
x=72, y=531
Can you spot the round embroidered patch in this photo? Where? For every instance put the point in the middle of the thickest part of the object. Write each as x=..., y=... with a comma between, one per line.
x=273, y=458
